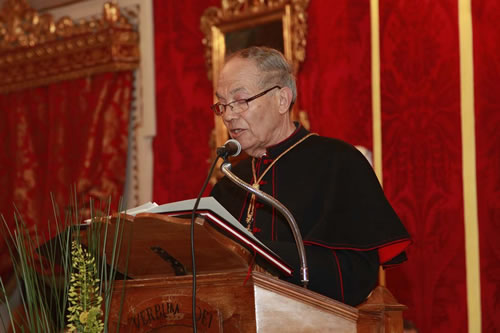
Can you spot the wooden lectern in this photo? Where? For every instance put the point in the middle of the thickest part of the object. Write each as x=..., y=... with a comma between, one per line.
x=232, y=294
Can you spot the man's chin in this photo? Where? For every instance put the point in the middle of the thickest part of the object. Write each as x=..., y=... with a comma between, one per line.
x=247, y=146
x=251, y=151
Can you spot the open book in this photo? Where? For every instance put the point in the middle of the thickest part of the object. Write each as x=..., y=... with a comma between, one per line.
x=218, y=216
x=141, y=209
x=144, y=208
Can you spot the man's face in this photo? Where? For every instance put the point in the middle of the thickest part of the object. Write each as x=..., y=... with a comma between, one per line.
x=262, y=124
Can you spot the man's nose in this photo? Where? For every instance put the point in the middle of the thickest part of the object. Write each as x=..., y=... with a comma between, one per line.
x=229, y=114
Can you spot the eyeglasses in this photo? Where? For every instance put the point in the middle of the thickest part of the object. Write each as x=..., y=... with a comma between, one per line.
x=239, y=105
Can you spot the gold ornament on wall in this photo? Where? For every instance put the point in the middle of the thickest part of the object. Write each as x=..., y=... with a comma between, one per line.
x=36, y=50
x=247, y=17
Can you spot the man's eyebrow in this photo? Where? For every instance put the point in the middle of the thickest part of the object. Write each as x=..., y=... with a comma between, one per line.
x=236, y=90
x=232, y=92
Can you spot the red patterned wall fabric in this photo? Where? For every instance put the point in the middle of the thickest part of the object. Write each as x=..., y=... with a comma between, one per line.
x=72, y=133
x=486, y=33
x=334, y=83
x=183, y=98
x=422, y=152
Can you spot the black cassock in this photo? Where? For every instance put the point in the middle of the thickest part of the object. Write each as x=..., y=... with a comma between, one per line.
x=348, y=226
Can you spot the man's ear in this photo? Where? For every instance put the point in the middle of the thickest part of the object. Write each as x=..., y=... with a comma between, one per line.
x=285, y=97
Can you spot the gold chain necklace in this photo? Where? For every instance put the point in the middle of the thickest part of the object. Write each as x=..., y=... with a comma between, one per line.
x=251, y=207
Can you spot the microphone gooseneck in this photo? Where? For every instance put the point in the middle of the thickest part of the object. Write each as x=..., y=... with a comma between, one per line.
x=226, y=169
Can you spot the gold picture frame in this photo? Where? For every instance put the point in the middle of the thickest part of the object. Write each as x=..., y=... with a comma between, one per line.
x=281, y=24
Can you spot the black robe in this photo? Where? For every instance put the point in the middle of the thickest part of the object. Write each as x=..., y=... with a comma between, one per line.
x=346, y=222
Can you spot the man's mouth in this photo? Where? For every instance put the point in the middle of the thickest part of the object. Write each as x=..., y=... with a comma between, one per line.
x=236, y=131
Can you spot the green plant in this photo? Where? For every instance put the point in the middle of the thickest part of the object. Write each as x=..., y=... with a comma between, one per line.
x=53, y=281
x=84, y=293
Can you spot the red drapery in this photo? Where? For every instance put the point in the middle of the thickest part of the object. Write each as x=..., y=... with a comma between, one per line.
x=485, y=18
x=72, y=133
x=334, y=83
x=421, y=131
x=422, y=153
x=183, y=99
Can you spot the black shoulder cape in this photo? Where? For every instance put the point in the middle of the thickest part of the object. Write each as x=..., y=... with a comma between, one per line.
x=331, y=190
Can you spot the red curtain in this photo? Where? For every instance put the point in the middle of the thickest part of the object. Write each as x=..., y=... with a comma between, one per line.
x=422, y=162
x=422, y=151
x=183, y=99
x=486, y=32
x=334, y=83
x=72, y=133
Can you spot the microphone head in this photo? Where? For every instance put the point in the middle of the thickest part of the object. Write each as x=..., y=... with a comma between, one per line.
x=233, y=147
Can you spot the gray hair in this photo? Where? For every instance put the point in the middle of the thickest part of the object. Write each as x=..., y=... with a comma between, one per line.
x=273, y=64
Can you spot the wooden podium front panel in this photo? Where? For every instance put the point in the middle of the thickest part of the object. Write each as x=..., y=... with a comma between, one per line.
x=224, y=302
x=284, y=307
x=276, y=312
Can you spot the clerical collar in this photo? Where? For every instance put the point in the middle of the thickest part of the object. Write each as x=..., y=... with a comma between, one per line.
x=275, y=150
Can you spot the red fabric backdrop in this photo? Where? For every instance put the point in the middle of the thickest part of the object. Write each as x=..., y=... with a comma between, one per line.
x=334, y=83
x=183, y=99
x=72, y=133
x=485, y=18
x=421, y=128
x=422, y=151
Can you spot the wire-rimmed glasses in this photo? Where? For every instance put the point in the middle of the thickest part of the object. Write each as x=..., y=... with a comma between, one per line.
x=239, y=105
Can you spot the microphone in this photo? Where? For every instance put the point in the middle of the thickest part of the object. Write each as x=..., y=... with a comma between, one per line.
x=230, y=148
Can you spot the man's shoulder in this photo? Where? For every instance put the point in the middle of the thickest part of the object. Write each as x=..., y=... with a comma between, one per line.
x=335, y=150
x=327, y=144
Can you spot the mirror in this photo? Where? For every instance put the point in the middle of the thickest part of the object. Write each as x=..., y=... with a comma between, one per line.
x=281, y=24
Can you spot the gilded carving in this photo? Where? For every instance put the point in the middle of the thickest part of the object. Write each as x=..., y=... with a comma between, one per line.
x=36, y=50
x=235, y=14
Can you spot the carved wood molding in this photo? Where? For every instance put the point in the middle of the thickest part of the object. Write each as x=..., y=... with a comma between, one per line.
x=306, y=296
x=36, y=50
x=233, y=12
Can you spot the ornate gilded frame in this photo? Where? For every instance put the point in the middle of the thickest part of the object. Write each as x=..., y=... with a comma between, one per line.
x=243, y=14
x=36, y=50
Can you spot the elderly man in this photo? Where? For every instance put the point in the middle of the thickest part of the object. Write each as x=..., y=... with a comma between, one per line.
x=347, y=224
